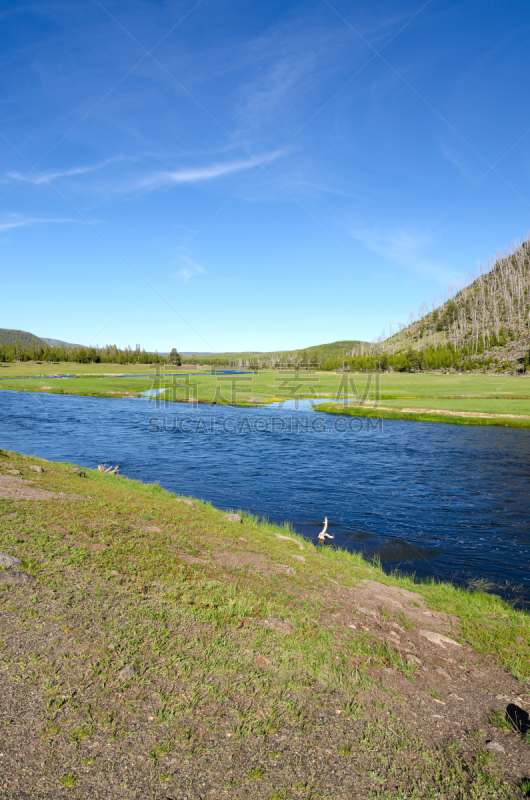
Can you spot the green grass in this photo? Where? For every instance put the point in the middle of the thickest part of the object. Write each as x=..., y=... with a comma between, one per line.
x=490, y=405
x=490, y=624
x=472, y=394
x=498, y=720
x=177, y=603
x=427, y=416
x=19, y=369
x=86, y=385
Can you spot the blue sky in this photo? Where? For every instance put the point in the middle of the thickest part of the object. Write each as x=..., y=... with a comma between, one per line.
x=231, y=175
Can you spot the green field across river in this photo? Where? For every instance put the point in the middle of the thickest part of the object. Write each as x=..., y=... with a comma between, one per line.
x=461, y=398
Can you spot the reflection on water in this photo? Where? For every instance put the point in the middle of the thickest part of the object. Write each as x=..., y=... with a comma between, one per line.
x=448, y=501
x=153, y=392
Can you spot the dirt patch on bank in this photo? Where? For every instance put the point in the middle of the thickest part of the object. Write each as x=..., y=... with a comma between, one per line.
x=376, y=599
x=15, y=488
x=451, y=692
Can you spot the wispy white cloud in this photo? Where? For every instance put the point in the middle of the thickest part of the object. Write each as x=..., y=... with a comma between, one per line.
x=406, y=248
x=189, y=270
x=469, y=165
x=197, y=174
x=47, y=177
x=16, y=221
x=392, y=243
x=281, y=67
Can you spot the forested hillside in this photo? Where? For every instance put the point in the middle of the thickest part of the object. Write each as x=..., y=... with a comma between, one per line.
x=37, y=350
x=23, y=338
x=482, y=325
x=489, y=312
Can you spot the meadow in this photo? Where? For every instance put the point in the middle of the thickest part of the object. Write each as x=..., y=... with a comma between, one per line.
x=18, y=369
x=458, y=398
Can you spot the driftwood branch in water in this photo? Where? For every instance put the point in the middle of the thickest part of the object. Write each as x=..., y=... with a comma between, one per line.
x=322, y=536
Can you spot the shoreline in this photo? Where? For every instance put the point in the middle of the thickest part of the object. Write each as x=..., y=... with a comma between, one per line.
x=197, y=653
x=431, y=415
x=332, y=552
x=381, y=412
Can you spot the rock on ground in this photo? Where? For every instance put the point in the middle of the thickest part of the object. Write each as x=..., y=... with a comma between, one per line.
x=128, y=672
x=9, y=561
x=494, y=747
x=438, y=638
x=281, y=625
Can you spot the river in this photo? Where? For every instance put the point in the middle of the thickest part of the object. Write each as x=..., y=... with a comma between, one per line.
x=444, y=501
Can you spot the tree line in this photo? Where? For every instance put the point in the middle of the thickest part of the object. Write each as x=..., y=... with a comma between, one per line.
x=110, y=354
x=439, y=357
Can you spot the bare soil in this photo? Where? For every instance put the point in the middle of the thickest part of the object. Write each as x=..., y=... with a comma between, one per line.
x=15, y=488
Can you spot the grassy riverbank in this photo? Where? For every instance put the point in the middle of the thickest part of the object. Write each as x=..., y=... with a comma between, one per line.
x=436, y=414
x=260, y=666
x=465, y=399
x=19, y=369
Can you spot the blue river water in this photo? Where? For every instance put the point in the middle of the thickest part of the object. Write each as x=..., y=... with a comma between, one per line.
x=447, y=501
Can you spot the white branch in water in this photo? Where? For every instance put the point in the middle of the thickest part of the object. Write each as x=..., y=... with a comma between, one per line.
x=112, y=470
x=323, y=535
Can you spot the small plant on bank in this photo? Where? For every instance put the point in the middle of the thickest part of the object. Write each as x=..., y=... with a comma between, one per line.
x=68, y=781
x=256, y=774
x=404, y=620
x=279, y=794
x=435, y=693
x=498, y=719
x=78, y=734
x=352, y=708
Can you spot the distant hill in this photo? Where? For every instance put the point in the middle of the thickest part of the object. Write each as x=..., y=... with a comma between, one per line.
x=26, y=339
x=60, y=343
x=23, y=338
x=315, y=353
